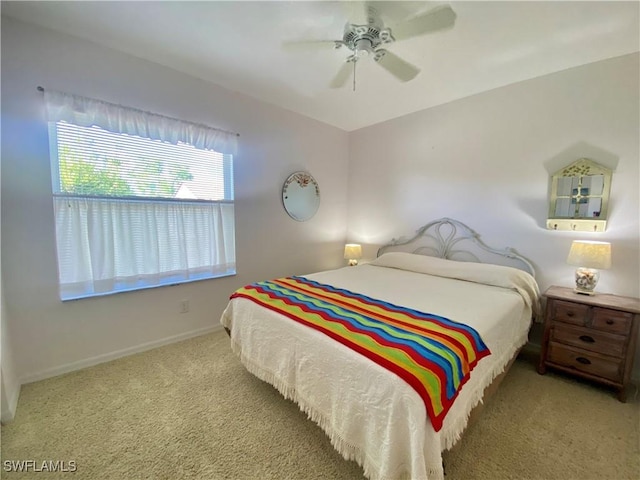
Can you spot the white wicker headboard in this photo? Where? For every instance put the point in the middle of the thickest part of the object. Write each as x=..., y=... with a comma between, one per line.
x=453, y=240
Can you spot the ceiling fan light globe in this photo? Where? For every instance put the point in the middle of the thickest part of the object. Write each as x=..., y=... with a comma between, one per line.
x=364, y=45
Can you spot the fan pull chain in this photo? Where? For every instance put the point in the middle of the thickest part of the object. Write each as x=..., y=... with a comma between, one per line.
x=354, y=75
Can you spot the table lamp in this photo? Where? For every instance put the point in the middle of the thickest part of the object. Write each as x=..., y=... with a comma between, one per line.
x=352, y=252
x=590, y=257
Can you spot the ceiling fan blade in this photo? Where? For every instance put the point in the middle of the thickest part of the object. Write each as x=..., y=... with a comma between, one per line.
x=393, y=11
x=400, y=69
x=372, y=14
x=342, y=76
x=305, y=45
x=439, y=18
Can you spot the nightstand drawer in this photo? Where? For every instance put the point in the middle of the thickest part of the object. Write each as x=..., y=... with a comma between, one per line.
x=593, y=340
x=613, y=321
x=570, y=312
x=584, y=361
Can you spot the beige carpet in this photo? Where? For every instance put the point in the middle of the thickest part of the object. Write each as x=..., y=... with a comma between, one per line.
x=190, y=410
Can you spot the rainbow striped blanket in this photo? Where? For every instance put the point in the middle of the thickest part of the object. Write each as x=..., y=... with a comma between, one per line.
x=431, y=353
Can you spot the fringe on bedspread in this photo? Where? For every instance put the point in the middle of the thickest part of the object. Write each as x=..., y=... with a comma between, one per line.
x=343, y=447
x=450, y=434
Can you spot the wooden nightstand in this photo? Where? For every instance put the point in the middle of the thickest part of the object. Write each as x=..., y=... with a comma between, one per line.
x=592, y=337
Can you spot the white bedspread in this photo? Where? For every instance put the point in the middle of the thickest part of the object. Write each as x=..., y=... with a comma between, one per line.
x=371, y=415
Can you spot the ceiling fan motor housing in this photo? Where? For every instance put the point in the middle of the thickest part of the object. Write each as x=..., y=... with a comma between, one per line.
x=365, y=38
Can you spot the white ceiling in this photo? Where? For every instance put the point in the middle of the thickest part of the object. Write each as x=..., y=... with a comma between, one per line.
x=239, y=45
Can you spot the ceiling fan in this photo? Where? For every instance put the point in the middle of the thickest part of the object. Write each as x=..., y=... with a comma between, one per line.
x=366, y=40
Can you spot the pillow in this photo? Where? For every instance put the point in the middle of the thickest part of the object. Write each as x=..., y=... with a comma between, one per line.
x=486, y=273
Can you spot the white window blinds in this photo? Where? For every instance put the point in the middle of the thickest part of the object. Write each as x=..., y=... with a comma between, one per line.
x=136, y=211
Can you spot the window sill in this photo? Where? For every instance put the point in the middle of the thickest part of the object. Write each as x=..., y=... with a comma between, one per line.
x=146, y=286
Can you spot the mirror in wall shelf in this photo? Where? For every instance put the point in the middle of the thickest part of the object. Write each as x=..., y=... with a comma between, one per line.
x=301, y=196
x=580, y=197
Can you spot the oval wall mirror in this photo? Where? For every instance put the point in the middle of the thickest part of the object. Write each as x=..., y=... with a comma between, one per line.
x=301, y=196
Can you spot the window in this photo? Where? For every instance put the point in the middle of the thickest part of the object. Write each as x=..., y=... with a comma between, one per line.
x=137, y=211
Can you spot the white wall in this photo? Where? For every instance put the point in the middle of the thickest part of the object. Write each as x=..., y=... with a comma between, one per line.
x=50, y=336
x=486, y=160
x=9, y=382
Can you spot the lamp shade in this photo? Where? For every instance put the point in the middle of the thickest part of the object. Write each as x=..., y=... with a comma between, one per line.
x=352, y=251
x=590, y=254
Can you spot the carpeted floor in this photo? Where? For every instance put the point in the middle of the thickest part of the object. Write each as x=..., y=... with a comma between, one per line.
x=190, y=411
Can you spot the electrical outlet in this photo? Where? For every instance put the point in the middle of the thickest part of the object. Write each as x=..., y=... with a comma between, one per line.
x=184, y=306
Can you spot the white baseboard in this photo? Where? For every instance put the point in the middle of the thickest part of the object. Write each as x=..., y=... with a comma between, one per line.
x=107, y=357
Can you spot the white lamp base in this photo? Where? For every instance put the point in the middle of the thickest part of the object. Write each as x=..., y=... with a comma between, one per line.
x=586, y=280
x=353, y=262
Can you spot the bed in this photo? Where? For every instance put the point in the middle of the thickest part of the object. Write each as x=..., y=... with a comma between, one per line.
x=371, y=412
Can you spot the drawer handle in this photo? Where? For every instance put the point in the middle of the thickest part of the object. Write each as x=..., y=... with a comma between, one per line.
x=571, y=314
x=609, y=322
x=586, y=338
x=584, y=361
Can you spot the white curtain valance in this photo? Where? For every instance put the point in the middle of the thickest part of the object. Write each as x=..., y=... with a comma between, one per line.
x=88, y=112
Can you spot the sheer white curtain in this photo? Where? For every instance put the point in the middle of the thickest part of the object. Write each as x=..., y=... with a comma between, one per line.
x=111, y=244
